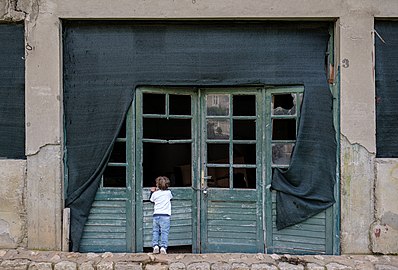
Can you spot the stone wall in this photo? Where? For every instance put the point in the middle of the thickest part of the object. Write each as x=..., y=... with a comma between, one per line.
x=34, y=260
x=12, y=203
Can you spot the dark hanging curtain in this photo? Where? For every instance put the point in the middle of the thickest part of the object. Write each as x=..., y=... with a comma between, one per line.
x=307, y=187
x=104, y=62
x=12, y=91
x=386, y=43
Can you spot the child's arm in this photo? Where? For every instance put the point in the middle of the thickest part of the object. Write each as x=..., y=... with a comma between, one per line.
x=153, y=189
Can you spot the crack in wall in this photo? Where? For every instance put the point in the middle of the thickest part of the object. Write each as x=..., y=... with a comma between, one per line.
x=13, y=14
x=17, y=9
x=21, y=10
x=41, y=147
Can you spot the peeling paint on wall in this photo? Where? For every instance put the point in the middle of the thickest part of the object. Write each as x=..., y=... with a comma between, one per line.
x=357, y=204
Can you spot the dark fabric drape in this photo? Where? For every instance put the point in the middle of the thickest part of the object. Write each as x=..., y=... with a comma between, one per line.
x=105, y=61
x=307, y=187
x=386, y=89
x=12, y=91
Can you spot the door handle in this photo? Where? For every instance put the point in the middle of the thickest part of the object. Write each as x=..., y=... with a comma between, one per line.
x=203, y=183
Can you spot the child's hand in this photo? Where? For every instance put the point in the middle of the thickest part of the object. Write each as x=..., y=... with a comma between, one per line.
x=153, y=189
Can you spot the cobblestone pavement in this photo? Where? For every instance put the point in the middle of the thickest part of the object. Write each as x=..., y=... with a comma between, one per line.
x=21, y=259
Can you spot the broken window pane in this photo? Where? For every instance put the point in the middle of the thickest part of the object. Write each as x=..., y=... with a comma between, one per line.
x=180, y=104
x=122, y=132
x=284, y=104
x=217, y=105
x=118, y=153
x=218, y=153
x=167, y=129
x=283, y=129
x=281, y=153
x=244, y=178
x=171, y=160
x=114, y=177
x=217, y=129
x=244, y=129
x=219, y=177
x=154, y=103
x=244, y=154
x=244, y=105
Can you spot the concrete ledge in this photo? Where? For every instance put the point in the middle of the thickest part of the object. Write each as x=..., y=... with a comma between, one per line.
x=42, y=260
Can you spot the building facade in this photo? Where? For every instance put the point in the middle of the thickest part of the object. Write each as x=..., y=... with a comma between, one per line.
x=223, y=123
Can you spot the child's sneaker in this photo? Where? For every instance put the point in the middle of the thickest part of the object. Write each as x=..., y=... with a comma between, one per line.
x=155, y=250
x=163, y=250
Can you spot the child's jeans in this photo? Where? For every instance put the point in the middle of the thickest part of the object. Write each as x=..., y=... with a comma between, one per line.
x=161, y=227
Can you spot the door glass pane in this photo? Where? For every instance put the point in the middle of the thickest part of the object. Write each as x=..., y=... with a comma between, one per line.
x=167, y=129
x=244, y=178
x=244, y=105
x=217, y=105
x=122, y=132
x=244, y=129
x=281, y=153
x=114, y=177
x=171, y=160
x=284, y=104
x=217, y=153
x=217, y=129
x=219, y=177
x=244, y=154
x=118, y=153
x=154, y=103
x=180, y=104
x=283, y=129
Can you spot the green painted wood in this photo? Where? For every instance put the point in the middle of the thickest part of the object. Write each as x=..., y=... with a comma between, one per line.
x=105, y=242
x=110, y=222
x=104, y=235
x=231, y=219
x=181, y=232
x=306, y=237
x=310, y=236
x=182, y=219
x=105, y=229
x=239, y=223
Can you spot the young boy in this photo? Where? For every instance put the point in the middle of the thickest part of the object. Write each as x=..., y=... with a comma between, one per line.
x=161, y=196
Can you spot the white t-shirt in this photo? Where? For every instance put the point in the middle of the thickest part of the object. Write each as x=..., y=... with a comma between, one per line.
x=162, y=198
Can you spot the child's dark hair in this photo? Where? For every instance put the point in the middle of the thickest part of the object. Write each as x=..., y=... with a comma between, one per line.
x=162, y=182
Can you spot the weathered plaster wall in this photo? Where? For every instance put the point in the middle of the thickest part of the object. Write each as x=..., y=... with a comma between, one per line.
x=12, y=203
x=357, y=204
x=384, y=232
x=355, y=57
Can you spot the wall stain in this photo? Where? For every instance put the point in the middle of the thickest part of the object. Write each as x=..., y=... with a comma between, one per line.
x=391, y=219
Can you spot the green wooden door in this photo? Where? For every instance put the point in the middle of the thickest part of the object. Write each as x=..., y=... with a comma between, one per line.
x=166, y=145
x=231, y=170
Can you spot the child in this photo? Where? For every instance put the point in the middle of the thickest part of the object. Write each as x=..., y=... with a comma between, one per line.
x=161, y=196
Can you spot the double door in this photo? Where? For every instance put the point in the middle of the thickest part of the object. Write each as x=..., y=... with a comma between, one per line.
x=207, y=141
x=218, y=146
